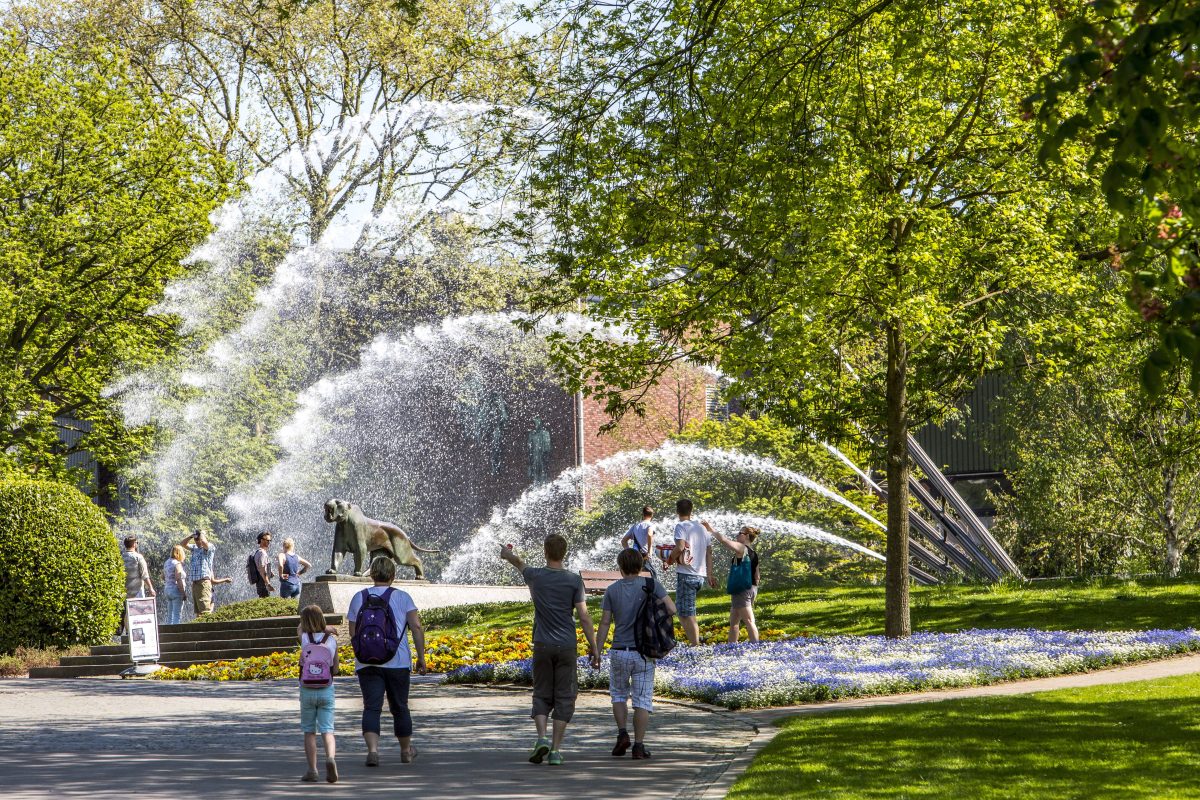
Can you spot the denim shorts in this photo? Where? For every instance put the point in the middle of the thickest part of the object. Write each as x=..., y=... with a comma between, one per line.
x=316, y=709
x=686, y=587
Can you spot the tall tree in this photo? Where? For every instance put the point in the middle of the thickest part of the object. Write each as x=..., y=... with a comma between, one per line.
x=837, y=203
x=1106, y=478
x=358, y=107
x=103, y=191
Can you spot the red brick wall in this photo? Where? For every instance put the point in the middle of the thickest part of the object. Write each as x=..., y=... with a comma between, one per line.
x=677, y=400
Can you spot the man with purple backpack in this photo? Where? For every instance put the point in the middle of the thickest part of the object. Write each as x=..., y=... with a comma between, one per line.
x=379, y=616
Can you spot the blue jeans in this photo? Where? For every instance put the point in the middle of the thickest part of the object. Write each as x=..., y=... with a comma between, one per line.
x=175, y=608
x=376, y=682
x=287, y=589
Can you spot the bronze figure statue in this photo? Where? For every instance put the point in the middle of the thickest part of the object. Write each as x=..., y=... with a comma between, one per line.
x=367, y=538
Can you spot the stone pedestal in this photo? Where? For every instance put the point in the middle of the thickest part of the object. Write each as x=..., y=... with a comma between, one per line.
x=334, y=592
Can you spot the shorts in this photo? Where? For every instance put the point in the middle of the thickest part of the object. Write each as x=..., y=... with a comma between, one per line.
x=686, y=587
x=744, y=599
x=316, y=709
x=202, y=599
x=289, y=589
x=631, y=674
x=555, y=680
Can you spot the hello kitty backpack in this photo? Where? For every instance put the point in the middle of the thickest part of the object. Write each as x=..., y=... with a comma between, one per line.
x=316, y=664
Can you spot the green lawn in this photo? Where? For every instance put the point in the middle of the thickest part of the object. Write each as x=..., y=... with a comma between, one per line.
x=1136, y=740
x=1092, y=605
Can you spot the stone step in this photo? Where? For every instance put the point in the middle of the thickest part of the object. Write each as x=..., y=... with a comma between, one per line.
x=184, y=645
x=177, y=658
x=279, y=643
x=88, y=671
x=117, y=666
x=271, y=627
x=165, y=631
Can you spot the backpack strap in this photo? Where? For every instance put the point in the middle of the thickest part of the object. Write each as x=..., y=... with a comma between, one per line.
x=648, y=586
x=386, y=597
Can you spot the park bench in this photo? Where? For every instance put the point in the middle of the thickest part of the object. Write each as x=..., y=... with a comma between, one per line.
x=595, y=581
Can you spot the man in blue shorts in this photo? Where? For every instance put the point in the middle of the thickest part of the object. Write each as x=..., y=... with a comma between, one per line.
x=693, y=557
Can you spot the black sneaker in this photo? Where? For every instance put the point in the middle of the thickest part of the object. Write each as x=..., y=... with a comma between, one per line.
x=622, y=744
x=640, y=751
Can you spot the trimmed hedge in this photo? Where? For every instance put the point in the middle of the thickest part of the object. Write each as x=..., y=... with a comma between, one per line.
x=258, y=608
x=62, y=581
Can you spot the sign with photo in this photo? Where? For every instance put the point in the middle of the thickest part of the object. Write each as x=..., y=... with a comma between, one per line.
x=143, y=628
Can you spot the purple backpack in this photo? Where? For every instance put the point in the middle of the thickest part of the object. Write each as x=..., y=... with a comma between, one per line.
x=316, y=664
x=376, y=638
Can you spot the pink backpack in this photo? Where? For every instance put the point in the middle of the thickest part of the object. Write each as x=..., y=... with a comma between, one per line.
x=316, y=664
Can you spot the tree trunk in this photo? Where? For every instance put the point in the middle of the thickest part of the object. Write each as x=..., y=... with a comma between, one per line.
x=896, y=617
x=1173, y=554
x=1170, y=523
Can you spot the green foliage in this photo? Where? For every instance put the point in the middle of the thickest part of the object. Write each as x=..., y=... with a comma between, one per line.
x=483, y=616
x=62, y=580
x=24, y=658
x=1106, y=478
x=780, y=238
x=836, y=204
x=105, y=190
x=1128, y=88
x=993, y=748
x=258, y=608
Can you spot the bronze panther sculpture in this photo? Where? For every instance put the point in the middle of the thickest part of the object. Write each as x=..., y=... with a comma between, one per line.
x=367, y=538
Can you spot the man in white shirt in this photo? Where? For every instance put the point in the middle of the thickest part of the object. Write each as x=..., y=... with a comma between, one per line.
x=693, y=556
x=640, y=537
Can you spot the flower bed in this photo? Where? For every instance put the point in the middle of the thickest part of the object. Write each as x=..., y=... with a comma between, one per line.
x=801, y=670
x=443, y=653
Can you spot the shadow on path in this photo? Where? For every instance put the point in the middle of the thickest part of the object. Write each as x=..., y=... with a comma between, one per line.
x=119, y=739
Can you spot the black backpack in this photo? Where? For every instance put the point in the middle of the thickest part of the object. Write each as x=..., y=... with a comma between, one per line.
x=654, y=633
x=252, y=570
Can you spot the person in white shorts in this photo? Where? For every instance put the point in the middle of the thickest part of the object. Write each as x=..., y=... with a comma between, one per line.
x=630, y=673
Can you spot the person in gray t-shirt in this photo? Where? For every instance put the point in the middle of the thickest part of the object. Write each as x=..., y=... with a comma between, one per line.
x=137, y=576
x=556, y=592
x=631, y=675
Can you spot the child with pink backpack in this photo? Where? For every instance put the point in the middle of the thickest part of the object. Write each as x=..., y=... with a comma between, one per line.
x=318, y=663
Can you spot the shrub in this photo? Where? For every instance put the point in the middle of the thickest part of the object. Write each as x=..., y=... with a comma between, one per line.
x=62, y=581
x=21, y=661
x=258, y=608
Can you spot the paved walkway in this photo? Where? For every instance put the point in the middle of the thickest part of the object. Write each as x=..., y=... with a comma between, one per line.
x=111, y=738
x=120, y=739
